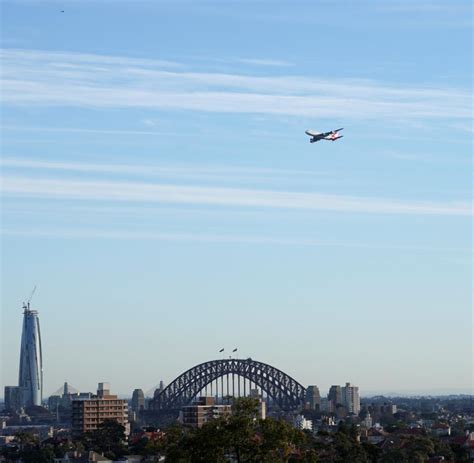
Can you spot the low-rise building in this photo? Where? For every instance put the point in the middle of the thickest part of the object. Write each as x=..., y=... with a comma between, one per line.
x=202, y=411
x=375, y=436
x=441, y=429
x=300, y=422
x=88, y=413
x=14, y=398
x=42, y=432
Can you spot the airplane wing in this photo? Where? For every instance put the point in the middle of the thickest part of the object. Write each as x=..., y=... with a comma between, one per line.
x=332, y=131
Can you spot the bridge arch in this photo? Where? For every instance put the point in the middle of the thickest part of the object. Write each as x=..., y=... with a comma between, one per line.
x=286, y=392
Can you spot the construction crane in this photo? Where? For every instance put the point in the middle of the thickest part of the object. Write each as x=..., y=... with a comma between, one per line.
x=26, y=305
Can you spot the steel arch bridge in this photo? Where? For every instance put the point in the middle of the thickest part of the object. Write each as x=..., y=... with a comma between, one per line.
x=286, y=392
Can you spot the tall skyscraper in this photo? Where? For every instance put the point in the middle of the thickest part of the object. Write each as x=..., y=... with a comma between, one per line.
x=31, y=361
x=138, y=400
x=351, y=398
x=335, y=395
x=313, y=398
x=347, y=396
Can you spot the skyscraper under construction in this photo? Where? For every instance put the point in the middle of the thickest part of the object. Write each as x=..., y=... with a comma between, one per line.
x=30, y=381
x=31, y=361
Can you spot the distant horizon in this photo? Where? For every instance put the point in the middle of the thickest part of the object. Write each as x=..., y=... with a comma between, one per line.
x=366, y=395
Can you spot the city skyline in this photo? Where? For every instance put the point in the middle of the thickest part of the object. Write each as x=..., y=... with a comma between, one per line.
x=158, y=187
x=32, y=392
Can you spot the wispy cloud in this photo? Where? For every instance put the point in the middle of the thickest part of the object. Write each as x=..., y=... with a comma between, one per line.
x=158, y=170
x=222, y=197
x=427, y=6
x=85, y=130
x=265, y=62
x=72, y=79
x=62, y=59
x=215, y=238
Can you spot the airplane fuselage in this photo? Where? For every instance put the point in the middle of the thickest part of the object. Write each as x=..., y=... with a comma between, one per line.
x=329, y=136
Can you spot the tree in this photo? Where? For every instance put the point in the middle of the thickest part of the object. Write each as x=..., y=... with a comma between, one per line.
x=241, y=430
x=29, y=450
x=108, y=438
x=210, y=442
x=37, y=454
x=241, y=436
x=372, y=452
x=419, y=448
x=280, y=441
x=176, y=444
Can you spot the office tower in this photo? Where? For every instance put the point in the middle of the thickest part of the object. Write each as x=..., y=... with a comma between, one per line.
x=31, y=362
x=313, y=398
x=335, y=395
x=351, y=398
x=88, y=413
x=334, y=398
x=324, y=404
x=13, y=398
x=138, y=400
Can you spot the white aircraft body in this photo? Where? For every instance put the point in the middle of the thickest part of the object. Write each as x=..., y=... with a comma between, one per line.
x=333, y=135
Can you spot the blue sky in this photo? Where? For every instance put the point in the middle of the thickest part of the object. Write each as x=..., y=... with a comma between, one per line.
x=158, y=187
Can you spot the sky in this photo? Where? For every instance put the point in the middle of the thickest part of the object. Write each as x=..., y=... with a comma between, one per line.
x=159, y=189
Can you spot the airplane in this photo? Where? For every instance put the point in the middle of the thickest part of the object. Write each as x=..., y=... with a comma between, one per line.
x=330, y=136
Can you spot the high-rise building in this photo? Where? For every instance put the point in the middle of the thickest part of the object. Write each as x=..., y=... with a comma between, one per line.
x=346, y=396
x=324, y=404
x=351, y=398
x=138, y=400
x=30, y=382
x=334, y=398
x=31, y=361
x=88, y=413
x=313, y=398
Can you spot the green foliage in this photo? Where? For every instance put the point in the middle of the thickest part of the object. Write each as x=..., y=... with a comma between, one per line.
x=29, y=450
x=461, y=454
x=372, y=451
x=395, y=426
x=414, y=449
x=37, y=454
x=240, y=435
x=393, y=456
x=108, y=439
